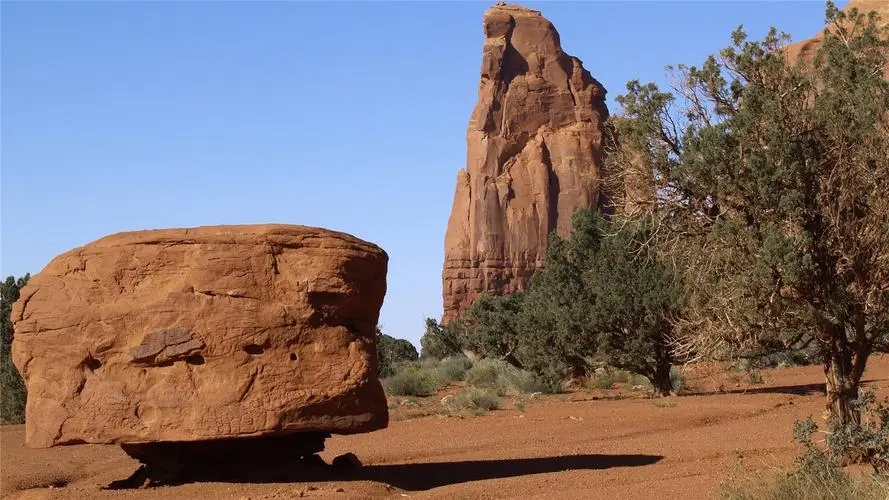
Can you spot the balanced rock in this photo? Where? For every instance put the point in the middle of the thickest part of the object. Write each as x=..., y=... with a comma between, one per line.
x=534, y=157
x=203, y=334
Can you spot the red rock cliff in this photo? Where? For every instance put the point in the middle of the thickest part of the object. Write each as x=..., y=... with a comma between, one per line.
x=534, y=156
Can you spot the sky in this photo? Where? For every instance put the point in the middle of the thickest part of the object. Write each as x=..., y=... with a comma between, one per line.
x=351, y=116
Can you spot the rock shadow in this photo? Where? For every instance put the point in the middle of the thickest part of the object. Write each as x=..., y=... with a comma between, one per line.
x=425, y=476
x=408, y=477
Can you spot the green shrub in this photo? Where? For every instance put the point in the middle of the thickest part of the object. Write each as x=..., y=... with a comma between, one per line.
x=636, y=380
x=454, y=368
x=806, y=482
x=621, y=376
x=604, y=380
x=818, y=473
x=525, y=382
x=864, y=442
x=502, y=378
x=754, y=377
x=488, y=374
x=411, y=380
x=798, y=485
x=474, y=400
x=676, y=380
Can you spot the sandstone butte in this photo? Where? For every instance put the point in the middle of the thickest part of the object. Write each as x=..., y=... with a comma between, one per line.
x=807, y=48
x=210, y=333
x=534, y=155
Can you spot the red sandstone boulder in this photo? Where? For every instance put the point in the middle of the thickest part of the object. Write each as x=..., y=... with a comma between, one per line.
x=203, y=334
x=534, y=157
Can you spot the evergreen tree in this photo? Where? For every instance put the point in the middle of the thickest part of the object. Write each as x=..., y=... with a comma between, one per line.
x=13, y=393
x=771, y=176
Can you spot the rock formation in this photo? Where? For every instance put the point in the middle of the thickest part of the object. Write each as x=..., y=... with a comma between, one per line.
x=807, y=48
x=203, y=335
x=534, y=155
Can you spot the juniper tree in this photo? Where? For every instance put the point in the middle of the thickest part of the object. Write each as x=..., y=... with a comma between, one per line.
x=771, y=181
x=12, y=388
x=490, y=328
x=603, y=295
x=439, y=341
x=391, y=351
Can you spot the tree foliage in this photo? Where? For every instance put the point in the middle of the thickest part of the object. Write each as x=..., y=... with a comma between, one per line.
x=391, y=351
x=603, y=296
x=439, y=341
x=490, y=328
x=12, y=388
x=770, y=177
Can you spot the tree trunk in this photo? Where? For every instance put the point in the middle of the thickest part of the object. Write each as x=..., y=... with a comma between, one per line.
x=842, y=390
x=844, y=363
x=660, y=379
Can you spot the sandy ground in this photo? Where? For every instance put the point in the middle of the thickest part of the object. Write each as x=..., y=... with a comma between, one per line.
x=610, y=445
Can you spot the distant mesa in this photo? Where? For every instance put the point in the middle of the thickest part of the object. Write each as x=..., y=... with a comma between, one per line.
x=534, y=156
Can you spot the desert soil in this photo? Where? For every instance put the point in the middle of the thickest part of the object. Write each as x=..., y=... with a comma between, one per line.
x=602, y=444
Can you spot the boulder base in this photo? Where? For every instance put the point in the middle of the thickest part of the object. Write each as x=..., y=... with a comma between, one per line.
x=203, y=334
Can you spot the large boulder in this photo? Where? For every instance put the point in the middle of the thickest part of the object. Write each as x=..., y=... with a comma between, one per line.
x=534, y=158
x=203, y=334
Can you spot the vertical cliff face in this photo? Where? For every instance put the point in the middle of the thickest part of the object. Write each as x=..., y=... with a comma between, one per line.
x=534, y=156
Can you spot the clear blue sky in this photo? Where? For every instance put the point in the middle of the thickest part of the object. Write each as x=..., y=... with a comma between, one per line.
x=352, y=116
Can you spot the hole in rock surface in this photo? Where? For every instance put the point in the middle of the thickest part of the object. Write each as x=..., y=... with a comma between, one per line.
x=92, y=363
x=195, y=359
x=253, y=349
x=292, y=357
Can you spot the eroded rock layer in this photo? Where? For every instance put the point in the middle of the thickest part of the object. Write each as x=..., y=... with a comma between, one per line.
x=534, y=155
x=203, y=334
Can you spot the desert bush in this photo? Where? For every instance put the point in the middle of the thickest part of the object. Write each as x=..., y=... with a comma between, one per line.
x=676, y=380
x=412, y=380
x=814, y=477
x=866, y=441
x=604, y=380
x=636, y=380
x=525, y=382
x=806, y=484
x=502, y=378
x=454, y=368
x=488, y=374
x=818, y=472
x=473, y=400
x=622, y=376
x=754, y=377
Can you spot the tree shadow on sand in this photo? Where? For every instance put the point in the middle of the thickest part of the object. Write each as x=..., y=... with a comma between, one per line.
x=425, y=476
x=796, y=390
